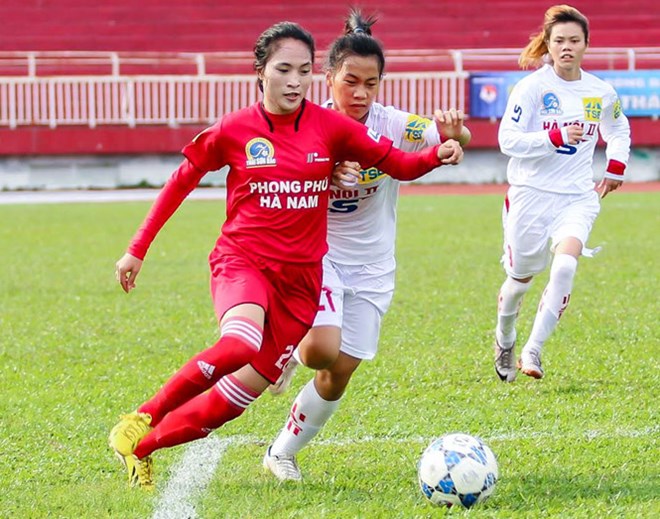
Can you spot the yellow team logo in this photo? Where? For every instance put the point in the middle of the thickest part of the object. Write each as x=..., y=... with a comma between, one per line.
x=259, y=153
x=415, y=127
x=617, y=108
x=593, y=107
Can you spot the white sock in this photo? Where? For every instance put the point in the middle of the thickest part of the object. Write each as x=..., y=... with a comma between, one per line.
x=554, y=300
x=508, y=304
x=308, y=415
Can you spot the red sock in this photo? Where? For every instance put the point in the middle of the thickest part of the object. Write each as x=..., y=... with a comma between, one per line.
x=239, y=343
x=198, y=417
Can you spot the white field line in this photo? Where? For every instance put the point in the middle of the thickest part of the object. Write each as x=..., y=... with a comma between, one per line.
x=191, y=476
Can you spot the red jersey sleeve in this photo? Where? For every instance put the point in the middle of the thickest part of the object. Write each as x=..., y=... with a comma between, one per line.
x=174, y=192
x=410, y=165
x=205, y=151
x=356, y=142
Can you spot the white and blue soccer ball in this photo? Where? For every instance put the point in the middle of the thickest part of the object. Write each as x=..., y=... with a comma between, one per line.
x=457, y=469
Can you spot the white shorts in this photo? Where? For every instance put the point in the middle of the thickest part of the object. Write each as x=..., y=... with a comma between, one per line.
x=536, y=221
x=355, y=298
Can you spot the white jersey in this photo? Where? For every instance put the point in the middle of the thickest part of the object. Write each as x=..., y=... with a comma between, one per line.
x=362, y=219
x=542, y=102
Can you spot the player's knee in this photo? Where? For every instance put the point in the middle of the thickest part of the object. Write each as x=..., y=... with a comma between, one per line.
x=331, y=383
x=320, y=347
x=319, y=355
x=331, y=386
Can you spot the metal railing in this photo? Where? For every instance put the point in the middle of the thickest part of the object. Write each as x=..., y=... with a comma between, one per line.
x=177, y=100
x=103, y=88
x=43, y=63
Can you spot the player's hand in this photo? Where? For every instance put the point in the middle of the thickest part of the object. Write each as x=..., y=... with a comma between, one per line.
x=126, y=270
x=575, y=133
x=608, y=185
x=346, y=174
x=450, y=152
x=450, y=125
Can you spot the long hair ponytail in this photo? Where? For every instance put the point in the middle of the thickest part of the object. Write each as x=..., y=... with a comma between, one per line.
x=537, y=48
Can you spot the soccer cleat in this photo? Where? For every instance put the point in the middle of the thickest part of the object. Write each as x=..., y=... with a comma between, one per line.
x=125, y=436
x=283, y=467
x=283, y=383
x=505, y=363
x=529, y=364
x=140, y=471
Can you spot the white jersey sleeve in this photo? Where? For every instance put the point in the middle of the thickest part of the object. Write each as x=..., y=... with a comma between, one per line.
x=517, y=134
x=362, y=219
x=615, y=129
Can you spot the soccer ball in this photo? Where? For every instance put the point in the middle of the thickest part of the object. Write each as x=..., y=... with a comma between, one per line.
x=457, y=469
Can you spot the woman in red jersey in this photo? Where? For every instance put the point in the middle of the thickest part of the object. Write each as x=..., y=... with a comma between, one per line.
x=266, y=265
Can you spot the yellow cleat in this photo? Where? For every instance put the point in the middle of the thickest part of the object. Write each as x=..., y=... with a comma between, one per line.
x=125, y=436
x=140, y=471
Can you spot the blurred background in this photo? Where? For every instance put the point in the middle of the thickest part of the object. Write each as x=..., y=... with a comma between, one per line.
x=105, y=94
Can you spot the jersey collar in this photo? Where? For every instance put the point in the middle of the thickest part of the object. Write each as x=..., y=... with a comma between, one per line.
x=275, y=120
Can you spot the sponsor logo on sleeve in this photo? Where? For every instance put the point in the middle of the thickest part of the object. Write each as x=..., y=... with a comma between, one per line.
x=415, y=126
x=617, y=108
x=593, y=107
x=259, y=153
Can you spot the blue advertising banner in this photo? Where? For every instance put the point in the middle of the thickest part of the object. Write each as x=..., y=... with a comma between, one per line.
x=639, y=91
x=489, y=92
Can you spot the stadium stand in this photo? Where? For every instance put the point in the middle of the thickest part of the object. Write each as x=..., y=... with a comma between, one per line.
x=121, y=37
x=206, y=26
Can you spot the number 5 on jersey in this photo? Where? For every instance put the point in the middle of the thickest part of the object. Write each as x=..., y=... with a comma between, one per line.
x=517, y=112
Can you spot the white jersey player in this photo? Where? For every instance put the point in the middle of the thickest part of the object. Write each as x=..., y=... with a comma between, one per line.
x=358, y=270
x=550, y=129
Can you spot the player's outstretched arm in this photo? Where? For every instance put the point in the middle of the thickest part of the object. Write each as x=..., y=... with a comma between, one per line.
x=126, y=270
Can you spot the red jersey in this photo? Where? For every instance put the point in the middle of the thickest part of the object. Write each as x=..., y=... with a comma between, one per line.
x=279, y=178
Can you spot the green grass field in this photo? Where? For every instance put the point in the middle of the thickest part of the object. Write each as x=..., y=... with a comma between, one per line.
x=75, y=352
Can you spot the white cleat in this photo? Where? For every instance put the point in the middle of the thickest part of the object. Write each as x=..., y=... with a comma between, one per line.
x=283, y=467
x=283, y=383
x=529, y=364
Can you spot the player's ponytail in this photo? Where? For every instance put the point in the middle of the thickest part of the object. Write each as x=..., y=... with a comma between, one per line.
x=357, y=24
x=356, y=40
x=537, y=48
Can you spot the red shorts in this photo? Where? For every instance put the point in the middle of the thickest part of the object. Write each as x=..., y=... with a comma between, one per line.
x=288, y=292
